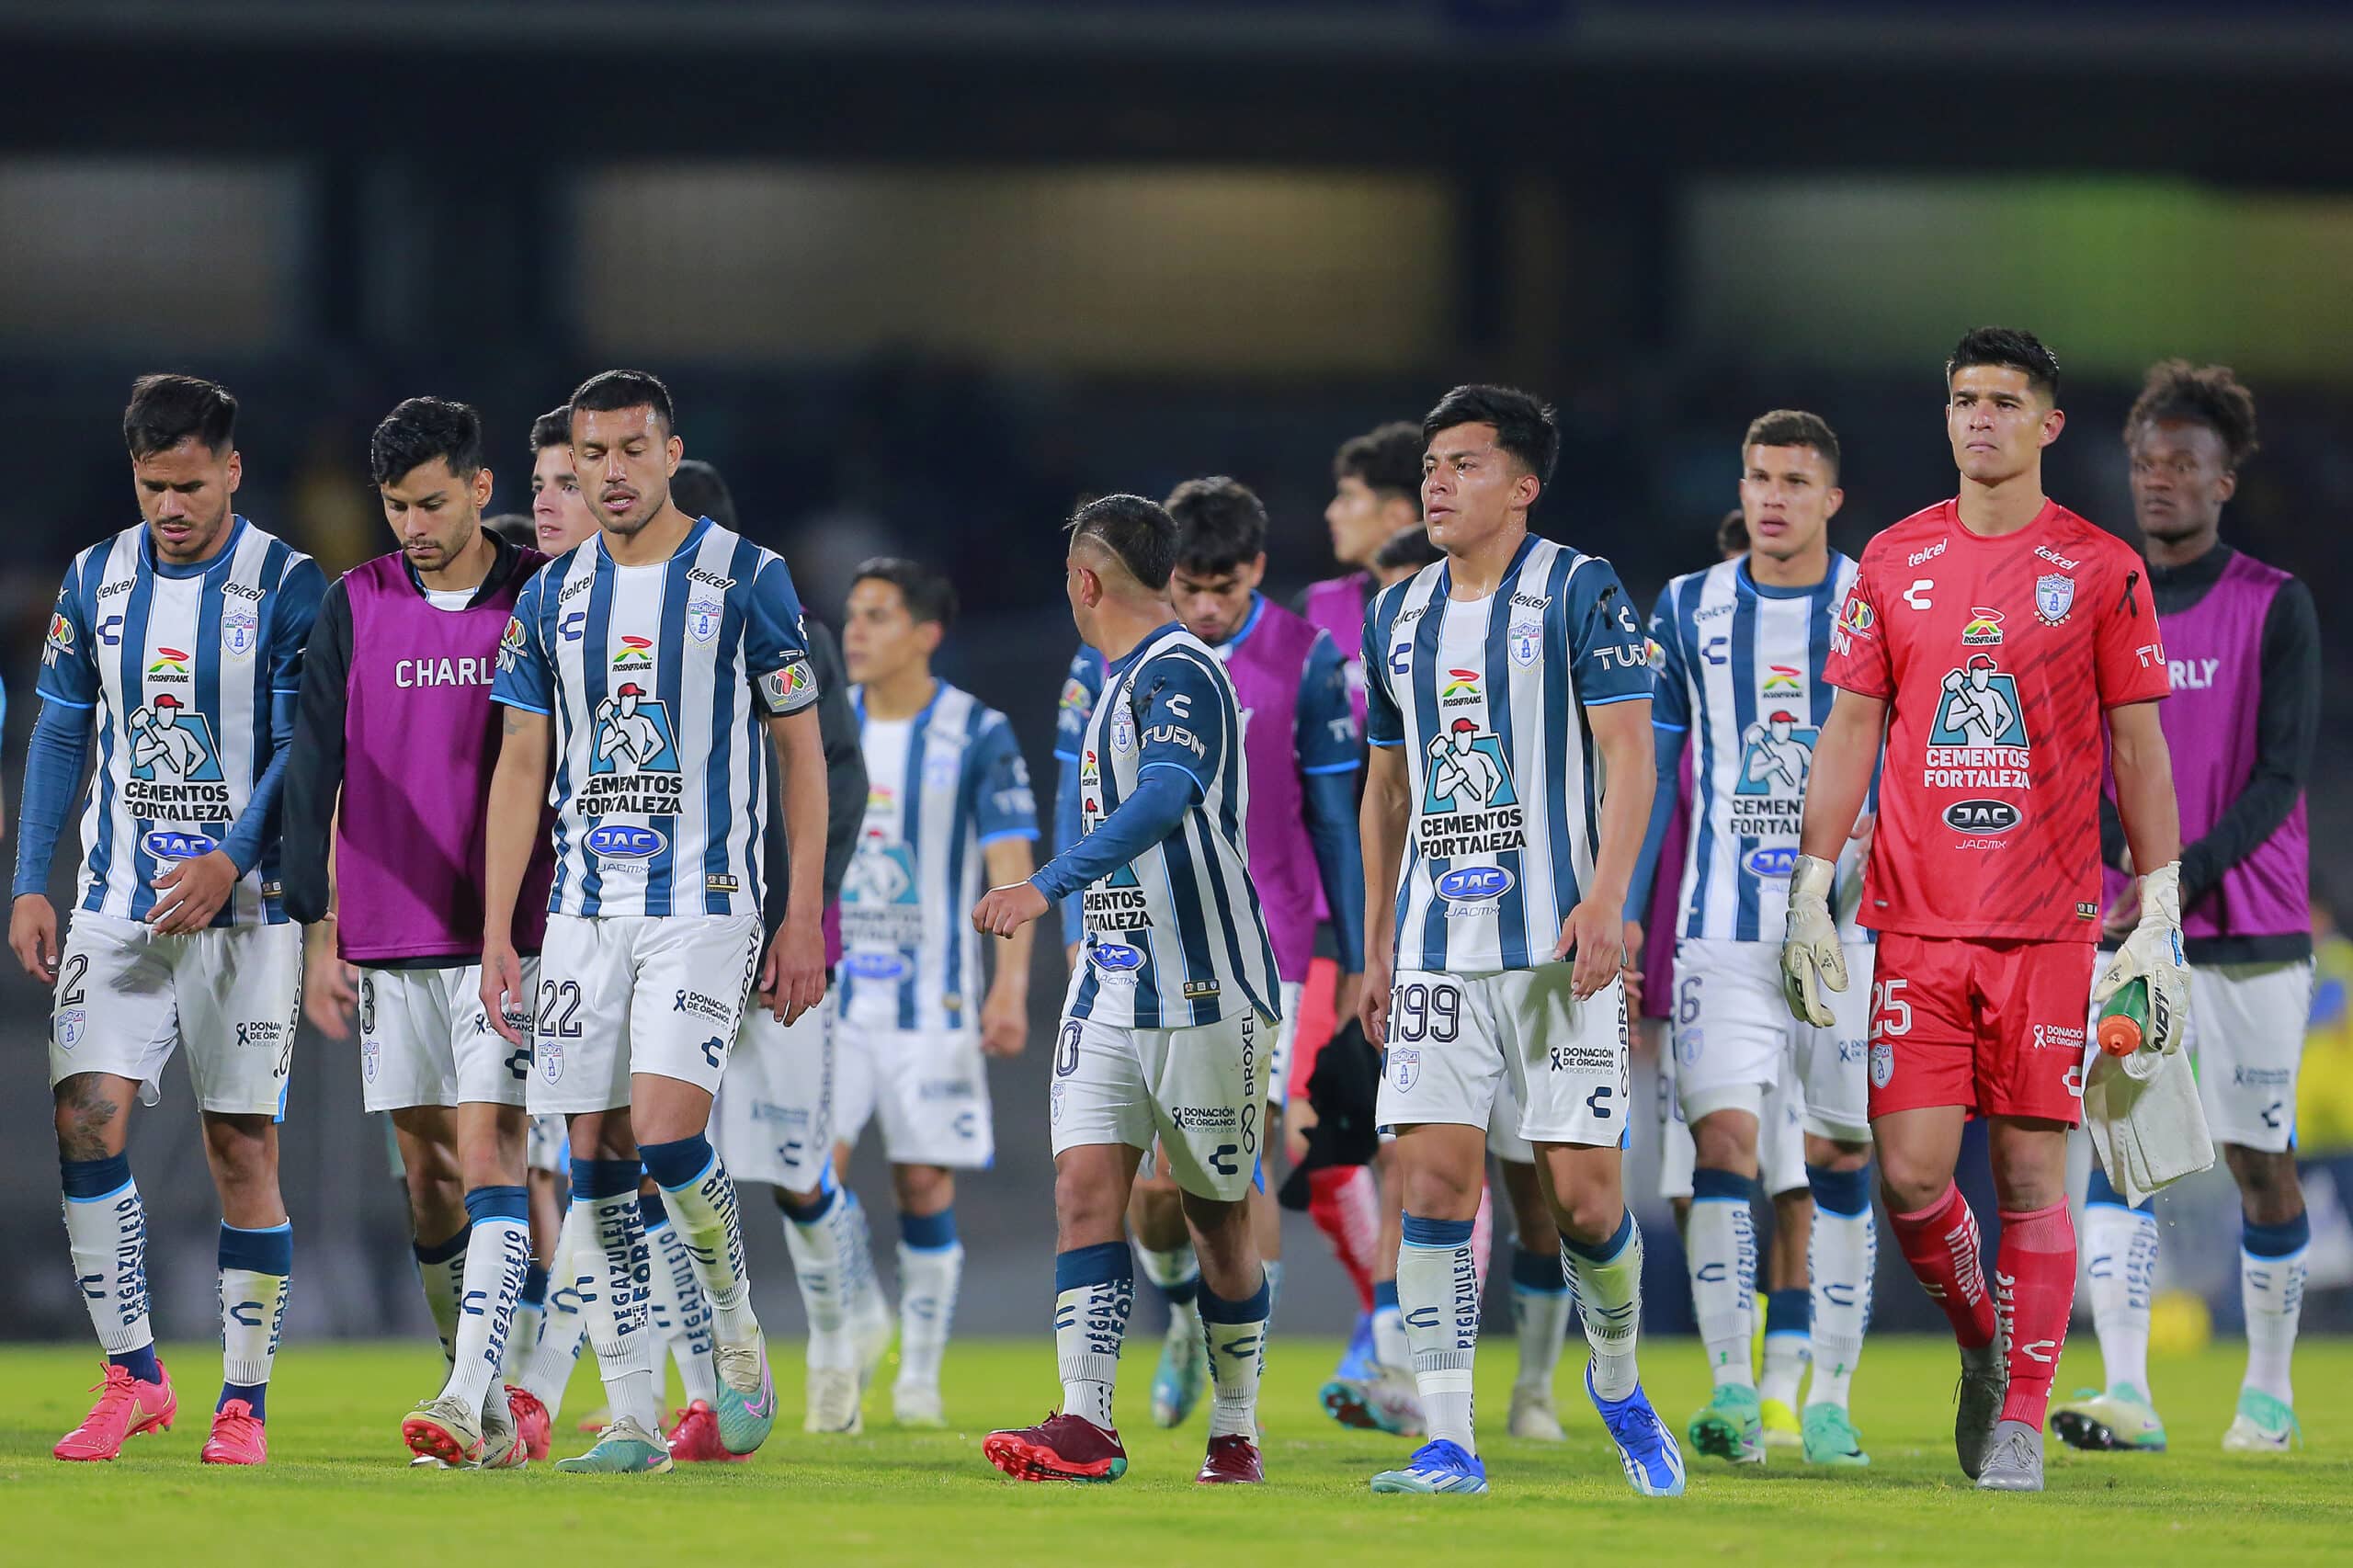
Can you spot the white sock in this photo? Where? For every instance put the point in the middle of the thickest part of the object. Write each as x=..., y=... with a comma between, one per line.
x=257, y=1267
x=1438, y=1290
x=1274, y=1267
x=548, y=1371
x=2272, y=1289
x=1720, y=1238
x=1841, y=1259
x=524, y=1337
x=1237, y=1346
x=1177, y=1274
x=1786, y=1355
x=441, y=1269
x=863, y=1289
x=1389, y=1346
x=1609, y=1299
x=704, y=1211
x=1094, y=1289
x=2120, y=1279
x=620, y=1327
x=928, y=1280
x=820, y=1244
x=1540, y=1314
x=106, y=1231
x=497, y=1252
x=681, y=1316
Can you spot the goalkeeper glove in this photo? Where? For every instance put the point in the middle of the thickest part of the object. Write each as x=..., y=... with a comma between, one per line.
x=1812, y=957
x=2152, y=953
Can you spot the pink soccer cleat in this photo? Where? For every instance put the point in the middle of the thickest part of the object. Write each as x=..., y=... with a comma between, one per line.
x=531, y=1419
x=695, y=1437
x=237, y=1437
x=126, y=1407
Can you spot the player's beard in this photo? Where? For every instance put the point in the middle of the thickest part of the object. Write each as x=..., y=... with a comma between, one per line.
x=202, y=538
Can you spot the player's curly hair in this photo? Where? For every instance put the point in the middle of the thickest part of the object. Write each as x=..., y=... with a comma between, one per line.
x=2211, y=395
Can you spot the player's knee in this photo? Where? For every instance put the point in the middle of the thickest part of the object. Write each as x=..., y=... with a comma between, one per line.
x=923, y=1190
x=1911, y=1184
x=2268, y=1190
x=1837, y=1153
x=1591, y=1217
x=1085, y=1208
x=1725, y=1140
x=87, y=1118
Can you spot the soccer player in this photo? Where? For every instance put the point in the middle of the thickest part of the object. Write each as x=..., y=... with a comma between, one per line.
x=1498, y=968
x=1163, y=1031
x=947, y=795
x=690, y=634
x=179, y=640
x=1739, y=649
x=2243, y=645
x=1987, y=637
x=406, y=645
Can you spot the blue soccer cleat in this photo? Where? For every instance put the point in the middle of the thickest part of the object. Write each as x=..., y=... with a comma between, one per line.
x=1355, y=1362
x=1439, y=1466
x=1653, y=1464
x=1183, y=1372
x=746, y=1403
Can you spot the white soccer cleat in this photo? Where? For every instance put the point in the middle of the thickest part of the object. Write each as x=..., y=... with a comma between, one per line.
x=1533, y=1417
x=2264, y=1425
x=918, y=1405
x=834, y=1401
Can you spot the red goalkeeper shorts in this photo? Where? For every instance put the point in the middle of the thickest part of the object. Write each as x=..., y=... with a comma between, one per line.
x=1998, y=1027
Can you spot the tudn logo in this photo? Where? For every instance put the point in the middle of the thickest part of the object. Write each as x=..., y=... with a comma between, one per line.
x=1475, y=884
x=625, y=841
x=1981, y=816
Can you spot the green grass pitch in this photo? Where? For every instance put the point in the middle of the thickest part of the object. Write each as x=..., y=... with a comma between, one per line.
x=336, y=1490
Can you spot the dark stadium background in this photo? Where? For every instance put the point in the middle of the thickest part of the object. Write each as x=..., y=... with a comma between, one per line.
x=922, y=275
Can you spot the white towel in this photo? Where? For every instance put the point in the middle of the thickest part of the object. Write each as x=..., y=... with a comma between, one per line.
x=2146, y=1124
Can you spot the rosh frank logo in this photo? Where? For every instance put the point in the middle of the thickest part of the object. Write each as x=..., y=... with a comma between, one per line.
x=1777, y=754
x=169, y=666
x=1784, y=680
x=1982, y=629
x=634, y=653
x=1462, y=686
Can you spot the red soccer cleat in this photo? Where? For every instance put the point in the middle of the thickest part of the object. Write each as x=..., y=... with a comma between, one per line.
x=1061, y=1447
x=1233, y=1461
x=126, y=1407
x=530, y=1421
x=237, y=1437
x=695, y=1437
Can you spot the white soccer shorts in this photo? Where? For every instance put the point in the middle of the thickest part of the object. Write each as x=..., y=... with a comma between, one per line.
x=2247, y=1029
x=774, y=1119
x=548, y=1146
x=930, y=1092
x=1286, y=1032
x=624, y=993
x=425, y=1040
x=1202, y=1091
x=126, y=997
x=1458, y=1043
x=1735, y=1041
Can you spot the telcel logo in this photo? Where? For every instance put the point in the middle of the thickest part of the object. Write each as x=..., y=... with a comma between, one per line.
x=623, y=841
x=1474, y=883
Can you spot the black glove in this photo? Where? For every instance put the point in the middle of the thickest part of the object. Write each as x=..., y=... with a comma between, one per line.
x=1343, y=1089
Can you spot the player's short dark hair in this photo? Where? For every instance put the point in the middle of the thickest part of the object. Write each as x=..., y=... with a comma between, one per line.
x=1388, y=460
x=1793, y=427
x=1137, y=530
x=552, y=428
x=2211, y=395
x=167, y=409
x=1220, y=525
x=699, y=490
x=419, y=429
x=1524, y=424
x=1732, y=532
x=1408, y=546
x=611, y=389
x=2010, y=347
x=928, y=595
x=514, y=528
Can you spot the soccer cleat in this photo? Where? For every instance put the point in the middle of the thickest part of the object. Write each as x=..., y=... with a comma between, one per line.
x=2014, y=1463
x=2264, y=1425
x=427, y=1461
x=1060, y=1448
x=1783, y=1429
x=1356, y=1364
x=126, y=1407
x=917, y=1405
x=502, y=1443
x=1440, y=1466
x=833, y=1402
x=1183, y=1372
x=1645, y=1447
x=694, y=1437
x=872, y=1330
x=625, y=1448
x=1984, y=1378
x=2118, y=1420
x=747, y=1405
x=1829, y=1436
x=1533, y=1417
x=1730, y=1426
x=1233, y=1461
x=237, y=1437
x=1383, y=1402
x=532, y=1421
x=443, y=1429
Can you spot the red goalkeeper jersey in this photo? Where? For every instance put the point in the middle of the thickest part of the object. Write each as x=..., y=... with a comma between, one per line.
x=1999, y=659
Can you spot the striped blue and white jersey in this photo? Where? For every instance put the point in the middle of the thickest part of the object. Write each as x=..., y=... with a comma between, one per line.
x=1174, y=939
x=187, y=666
x=1488, y=696
x=1738, y=668
x=662, y=678
x=940, y=788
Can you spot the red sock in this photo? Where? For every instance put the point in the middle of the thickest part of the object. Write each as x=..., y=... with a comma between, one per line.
x=2034, y=1279
x=1942, y=1245
x=1345, y=1203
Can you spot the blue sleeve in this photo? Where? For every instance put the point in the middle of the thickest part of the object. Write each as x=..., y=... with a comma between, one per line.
x=1670, y=675
x=61, y=738
x=299, y=595
x=1080, y=688
x=256, y=825
x=1003, y=804
x=1068, y=825
x=1150, y=815
x=1325, y=725
x=1181, y=725
x=1385, y=726
x=1606, y=653
x=776, y=645
x=525, y=678
x=1668, y=741
x=1339, y=860
x=69, y=661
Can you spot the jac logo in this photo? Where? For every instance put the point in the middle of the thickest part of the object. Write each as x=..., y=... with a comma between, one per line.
x=1773, y=860
x=876, y=966
x=165, y=843
x=1981, y=816
x=1116, y=956
x=625, y=841
x=1474, y=883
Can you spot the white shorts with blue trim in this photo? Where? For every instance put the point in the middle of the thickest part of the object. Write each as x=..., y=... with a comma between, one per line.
x=773, y=1121
x=425, y=1040
x=930, y=1092
x=1735, y=1041
x=626, y=993
x=1202, y=1091
x=1460, y=1045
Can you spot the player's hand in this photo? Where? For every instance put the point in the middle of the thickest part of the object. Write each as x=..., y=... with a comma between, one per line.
x=1631, y=975
x=1346, y=989
x=1812, y=957
x=1004, y=1021
x=1299, y=1120
x=503, y=997
x=2152, y=953
x=1372, y=1000
x=1003, y=911
x=32, y=936
x=792, y=979
x=330, y=991
x=193, y=892
x=1594, y=937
